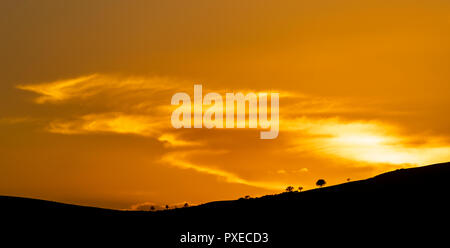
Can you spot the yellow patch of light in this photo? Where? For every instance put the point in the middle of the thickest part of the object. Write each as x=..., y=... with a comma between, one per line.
x=365, y=141
x=172, y=140
x=360, y=140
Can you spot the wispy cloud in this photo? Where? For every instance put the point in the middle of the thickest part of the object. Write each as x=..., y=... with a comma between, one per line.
x=181, y=160
x=174, y=141
x=108, y=122
x=94, y=85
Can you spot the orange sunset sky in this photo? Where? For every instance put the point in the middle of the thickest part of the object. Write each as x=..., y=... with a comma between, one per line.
x=86, y=85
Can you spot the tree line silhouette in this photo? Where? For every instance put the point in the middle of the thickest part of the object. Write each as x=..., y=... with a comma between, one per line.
x=320, y=183
x=289, y=189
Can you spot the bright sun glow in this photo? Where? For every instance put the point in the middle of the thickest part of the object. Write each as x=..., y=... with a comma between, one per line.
x=367, y=142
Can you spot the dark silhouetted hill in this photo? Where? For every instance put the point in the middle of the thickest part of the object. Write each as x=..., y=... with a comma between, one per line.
x=400, y=207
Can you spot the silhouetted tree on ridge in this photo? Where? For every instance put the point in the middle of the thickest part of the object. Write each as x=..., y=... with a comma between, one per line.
x=321, y=182
x=289, y=189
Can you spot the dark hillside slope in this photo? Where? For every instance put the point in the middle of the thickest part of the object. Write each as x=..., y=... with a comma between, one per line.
x=399, y=206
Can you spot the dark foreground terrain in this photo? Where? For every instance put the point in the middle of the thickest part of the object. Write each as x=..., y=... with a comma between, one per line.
x=403, y=207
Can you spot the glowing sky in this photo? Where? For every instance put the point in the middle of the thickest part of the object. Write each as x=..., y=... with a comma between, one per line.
x=85, y=92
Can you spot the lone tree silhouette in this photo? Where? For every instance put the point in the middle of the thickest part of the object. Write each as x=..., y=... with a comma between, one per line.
x=300, y=189
x=152, y=208
x=321, y=182
x=186, y=205
x=167, y=206
x=289, y=189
